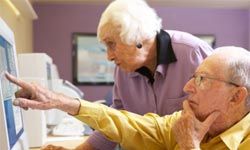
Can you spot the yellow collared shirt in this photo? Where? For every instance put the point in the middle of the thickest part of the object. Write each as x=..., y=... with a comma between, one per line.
x=152, y=132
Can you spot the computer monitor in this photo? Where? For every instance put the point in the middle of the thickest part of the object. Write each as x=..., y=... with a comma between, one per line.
x=12, y=135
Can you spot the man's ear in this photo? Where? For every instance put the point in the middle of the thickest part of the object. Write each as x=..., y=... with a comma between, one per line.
x=240, y=94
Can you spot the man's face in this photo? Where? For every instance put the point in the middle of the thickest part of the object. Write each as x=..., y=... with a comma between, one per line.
x=127, y=57
x=207, y=90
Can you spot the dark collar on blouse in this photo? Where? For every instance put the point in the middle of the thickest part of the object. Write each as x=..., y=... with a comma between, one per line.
x=165, y=54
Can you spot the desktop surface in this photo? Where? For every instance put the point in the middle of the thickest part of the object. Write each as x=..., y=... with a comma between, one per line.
x=67, y=142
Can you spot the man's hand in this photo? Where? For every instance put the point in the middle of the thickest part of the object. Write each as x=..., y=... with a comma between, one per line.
x=37, y=97
x=189, y=131
x=32, y=95
x=83, y=146
x=53, y=147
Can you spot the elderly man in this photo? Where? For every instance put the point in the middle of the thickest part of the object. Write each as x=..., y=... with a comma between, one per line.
x=215, y=114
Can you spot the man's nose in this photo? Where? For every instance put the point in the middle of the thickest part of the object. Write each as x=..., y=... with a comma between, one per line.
x=189, y=86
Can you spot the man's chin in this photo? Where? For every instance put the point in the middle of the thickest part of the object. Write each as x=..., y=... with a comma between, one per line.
x=198, y=115
x=192, y=104
x=201, y=117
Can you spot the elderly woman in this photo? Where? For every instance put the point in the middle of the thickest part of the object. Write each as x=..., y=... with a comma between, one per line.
x=152, y=65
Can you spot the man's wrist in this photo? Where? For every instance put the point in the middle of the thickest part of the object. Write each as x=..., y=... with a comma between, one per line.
x=68, y=104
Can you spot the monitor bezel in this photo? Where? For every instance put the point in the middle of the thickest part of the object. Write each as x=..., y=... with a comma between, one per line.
x=8, y=36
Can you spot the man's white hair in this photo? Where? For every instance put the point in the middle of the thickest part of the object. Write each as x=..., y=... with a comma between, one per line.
x=134, y=21
x=238, y=62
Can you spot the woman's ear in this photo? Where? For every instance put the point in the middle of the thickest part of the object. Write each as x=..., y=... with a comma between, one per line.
x=240, y=95
x=139, y=45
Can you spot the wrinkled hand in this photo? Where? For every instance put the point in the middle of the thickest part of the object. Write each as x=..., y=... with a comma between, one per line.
x=189, y=131
x=32, y=95
x=83, y=146
x=53, y=147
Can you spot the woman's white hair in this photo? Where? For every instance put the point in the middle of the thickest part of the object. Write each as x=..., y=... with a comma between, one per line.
x=133, y=20
x=238, y=64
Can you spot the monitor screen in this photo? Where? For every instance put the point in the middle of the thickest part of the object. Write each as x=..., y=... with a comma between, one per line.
x=10, y=116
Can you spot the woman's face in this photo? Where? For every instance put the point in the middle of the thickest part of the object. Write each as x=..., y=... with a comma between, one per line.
x=127, y=57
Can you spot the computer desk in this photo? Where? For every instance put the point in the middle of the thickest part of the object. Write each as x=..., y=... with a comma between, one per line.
x=67, y=142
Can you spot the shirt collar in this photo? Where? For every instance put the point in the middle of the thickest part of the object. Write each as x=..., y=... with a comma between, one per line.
x=233, y=136
x=165, y=52
x=165, y=55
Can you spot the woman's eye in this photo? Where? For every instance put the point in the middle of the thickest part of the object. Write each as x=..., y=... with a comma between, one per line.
x=110, y=45
x=201, y=78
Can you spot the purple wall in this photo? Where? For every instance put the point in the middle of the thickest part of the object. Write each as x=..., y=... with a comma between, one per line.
x=229, y=26
x=52, y=35
x=52, y=31
x=249, y=29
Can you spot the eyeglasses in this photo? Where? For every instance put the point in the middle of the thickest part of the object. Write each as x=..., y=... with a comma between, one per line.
x=198, y=79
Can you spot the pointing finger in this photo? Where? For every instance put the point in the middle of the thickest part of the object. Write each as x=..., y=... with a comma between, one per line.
x=18, y=82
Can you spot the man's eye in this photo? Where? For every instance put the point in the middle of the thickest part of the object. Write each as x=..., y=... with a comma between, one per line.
x=202, y=78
